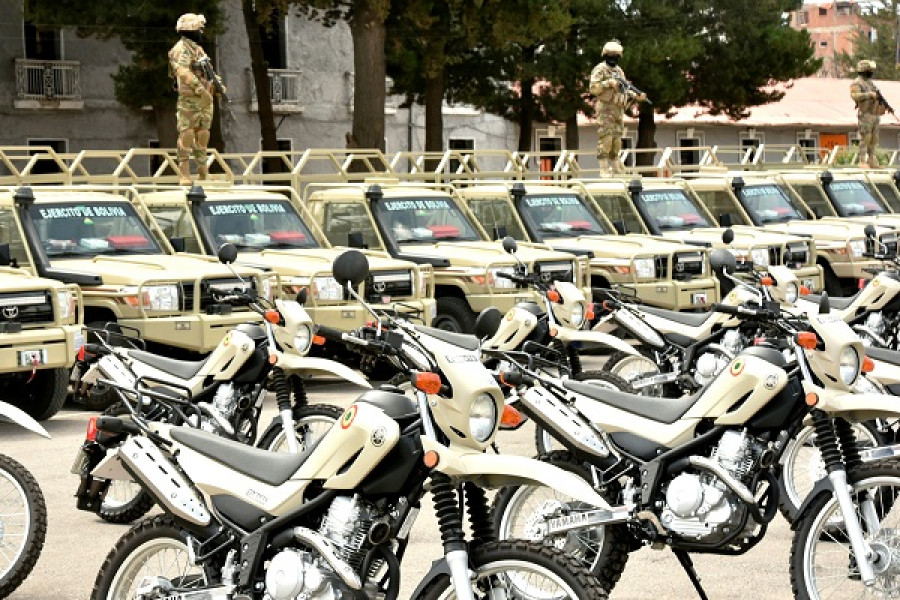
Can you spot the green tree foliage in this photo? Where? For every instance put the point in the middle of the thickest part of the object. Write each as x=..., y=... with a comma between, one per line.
x=884, y=20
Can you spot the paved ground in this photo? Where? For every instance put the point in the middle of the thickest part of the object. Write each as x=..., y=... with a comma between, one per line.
x=77, y=541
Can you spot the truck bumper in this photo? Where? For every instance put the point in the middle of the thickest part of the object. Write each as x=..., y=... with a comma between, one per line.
x=56, y=346
x=677, y=295
x=197, y=333
x=811, y=277
x=352, y=316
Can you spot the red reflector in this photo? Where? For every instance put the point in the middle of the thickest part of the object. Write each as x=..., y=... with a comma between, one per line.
x=80, y=355
x=427, y=382
x=553, y=296
x=511, y=418
x=804, y=291
x=91, y=434
x=589, y=315
x=868, y=365
x=273, y=316
x=767, y=281
x=808, y=340
x=318, y=340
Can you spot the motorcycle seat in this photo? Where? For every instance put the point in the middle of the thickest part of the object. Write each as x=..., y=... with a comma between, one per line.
x=182, y=369
x=683, y=318
x=837, y=302
x=661, y=410
x=273, y=468
x=884, y=355
x=463, y=340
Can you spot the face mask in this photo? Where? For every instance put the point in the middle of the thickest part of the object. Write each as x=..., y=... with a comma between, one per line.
x=612, y=60
x=194, y=36
x=867, y=74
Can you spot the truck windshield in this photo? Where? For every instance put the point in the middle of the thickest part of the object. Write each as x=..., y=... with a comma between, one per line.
x=853, y=198
x=423, y=221
x=257, y=224
x=69, y=229
x=560, y=215
x=769, y=204
x=673, y=210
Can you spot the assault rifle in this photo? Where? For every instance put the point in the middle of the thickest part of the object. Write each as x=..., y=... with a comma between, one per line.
x=883, y=101
x=205, y=65
x=626, y=86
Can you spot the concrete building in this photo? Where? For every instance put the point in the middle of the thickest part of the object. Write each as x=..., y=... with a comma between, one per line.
x=833, y=27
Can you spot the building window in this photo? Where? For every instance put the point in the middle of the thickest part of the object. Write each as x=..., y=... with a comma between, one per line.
x=688, y=139
x=823, y=11
x=809, y=143
x=823, y=43
x=549, y=149
x=844, y=9
x=629, y=143
x=285, y=145
x=803, y=17
x=274, y=42
x=750, y=141
x=42, y=44
x=462, y=145
x=45, y=166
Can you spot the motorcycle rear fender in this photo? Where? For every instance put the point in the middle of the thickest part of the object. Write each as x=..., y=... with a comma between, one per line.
x=20, y=417
x=498, y=470
x=858, y=407
x=566, y=334
x=311, y=366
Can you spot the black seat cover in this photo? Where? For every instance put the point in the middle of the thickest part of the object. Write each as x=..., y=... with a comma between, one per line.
x=463, y=340
x=661, y=410
x=394, y=403
x=183, y=369
x=884, y=355
x=269, y=467
x=684, y=318
x=838, y=302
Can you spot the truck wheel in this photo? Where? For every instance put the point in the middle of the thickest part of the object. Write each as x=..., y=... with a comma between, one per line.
x=43, y=397
x=454, y=314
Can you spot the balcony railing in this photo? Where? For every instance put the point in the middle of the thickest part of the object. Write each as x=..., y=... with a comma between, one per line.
x=284, y=89
x=48, y=84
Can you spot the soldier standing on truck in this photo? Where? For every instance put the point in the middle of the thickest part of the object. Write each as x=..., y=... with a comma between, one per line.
x=869, y=109
x=614, y=94
x=194, y=111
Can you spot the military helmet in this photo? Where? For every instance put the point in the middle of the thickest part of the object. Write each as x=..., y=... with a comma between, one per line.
x=865, y=65
x=612, y=47
x=190, y=22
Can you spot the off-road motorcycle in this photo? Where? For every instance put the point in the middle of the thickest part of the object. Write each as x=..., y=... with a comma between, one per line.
x=333, y=523
x=23, y=513
x=225, y=391
x=699, y=474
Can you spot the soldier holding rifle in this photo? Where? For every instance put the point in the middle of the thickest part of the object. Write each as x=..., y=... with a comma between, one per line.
x=614, y=94
x=870, y=105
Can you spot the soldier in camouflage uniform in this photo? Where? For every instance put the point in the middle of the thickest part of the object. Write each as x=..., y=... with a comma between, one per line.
x=868, y=112
x=608, y=86
x=194, y=111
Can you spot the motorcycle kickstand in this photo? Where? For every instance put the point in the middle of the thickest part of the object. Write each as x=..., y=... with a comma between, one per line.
x=688, y=565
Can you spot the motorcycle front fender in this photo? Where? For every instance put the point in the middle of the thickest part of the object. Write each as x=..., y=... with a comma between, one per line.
x=498, y=470
x=316, y=367
x=858, y=407
x=568, y=335
x=20, y=417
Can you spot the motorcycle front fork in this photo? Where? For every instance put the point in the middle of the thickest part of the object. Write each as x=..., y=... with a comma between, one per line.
x=283, y=398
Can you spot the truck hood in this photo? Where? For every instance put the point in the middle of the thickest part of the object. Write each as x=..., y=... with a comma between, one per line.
x=744, y=237
x=622, y=246
x=465, y=254
x=826, y=229
x=307, y=262
x=132, y=270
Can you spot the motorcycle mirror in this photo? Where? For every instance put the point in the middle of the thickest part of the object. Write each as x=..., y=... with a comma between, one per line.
x=728, y=236
x=227, y=253
x=302, y=296
x=824, y=304
x=350, y=267
x=488, y=322
x=721, y=259
x=869, y=230
x=510, y=245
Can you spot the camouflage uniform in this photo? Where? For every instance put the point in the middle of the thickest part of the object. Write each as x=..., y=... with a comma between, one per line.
x=868, y=113
x=612, y=100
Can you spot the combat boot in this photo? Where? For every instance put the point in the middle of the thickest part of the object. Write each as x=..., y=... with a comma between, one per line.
x=202, y=172
x=184, y=172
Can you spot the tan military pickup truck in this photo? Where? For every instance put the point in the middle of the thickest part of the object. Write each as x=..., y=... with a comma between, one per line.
x=661, y=272
x=427, y=225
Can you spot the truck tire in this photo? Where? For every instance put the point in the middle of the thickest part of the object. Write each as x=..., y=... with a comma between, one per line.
x=43, y=397
x=454, y=314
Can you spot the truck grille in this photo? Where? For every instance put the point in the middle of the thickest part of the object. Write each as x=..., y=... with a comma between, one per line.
x=26, y=307
x=688, y=265
x=662, y=266
x=188, y=291
x=775, y=255
x=889, y=240
x=796, y=255
x=556, y=271
x=392, y=284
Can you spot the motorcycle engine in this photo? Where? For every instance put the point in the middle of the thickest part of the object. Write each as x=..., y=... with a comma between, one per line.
x=701, y=506
x=298, y=573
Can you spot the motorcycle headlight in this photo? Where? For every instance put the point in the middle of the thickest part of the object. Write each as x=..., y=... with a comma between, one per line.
x=303, y=338
x=65, y=303
x=327, y=288
x=578, y=314
x=849, y=365
x=645, y=268
x=760, y=256
x=483, y=417
x=791, y=292
x=857, y=247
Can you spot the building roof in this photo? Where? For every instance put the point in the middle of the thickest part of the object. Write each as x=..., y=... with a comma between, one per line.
x=808, y=102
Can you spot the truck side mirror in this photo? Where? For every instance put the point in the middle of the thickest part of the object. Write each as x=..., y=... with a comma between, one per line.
x=725, y=220
x=499, y=232
x=5, y=258
x=178, y=244
x=355, y=240
x=621, y=228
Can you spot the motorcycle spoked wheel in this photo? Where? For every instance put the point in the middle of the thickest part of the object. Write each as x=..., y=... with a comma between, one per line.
x=23, y=524
x=155, y=547
x=311, y=422
x=822, y=562
x=542, y=438
x=803, y=467
x=519, y=569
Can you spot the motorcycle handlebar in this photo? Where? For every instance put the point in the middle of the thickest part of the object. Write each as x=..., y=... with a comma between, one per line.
x=374, y=346
x=743, y=311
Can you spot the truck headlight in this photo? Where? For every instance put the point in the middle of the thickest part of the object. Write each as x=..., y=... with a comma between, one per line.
x=849, y=365
x=267, y=288
x=857, y=247
x=483, y=417
x=65, y=304
x=760, y=256
x=303, y=338
x=645, y=268
x=154, y=297
x=327, y=288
